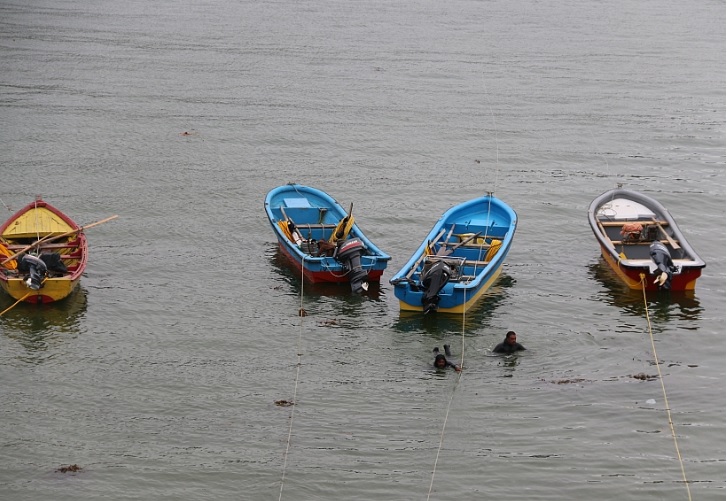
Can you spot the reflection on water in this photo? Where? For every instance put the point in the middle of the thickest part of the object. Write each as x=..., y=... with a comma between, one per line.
x=438, y=323
x=37, y=326
x=663, y=305
x=507, y=363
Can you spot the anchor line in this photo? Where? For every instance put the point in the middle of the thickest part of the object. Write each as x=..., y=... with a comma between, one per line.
x=494, y=128
x=301, y=313
x=663, y=390
x=449, y=407
x=37, y=223
x=6, y=205
x=497, y=166
x=464, y=292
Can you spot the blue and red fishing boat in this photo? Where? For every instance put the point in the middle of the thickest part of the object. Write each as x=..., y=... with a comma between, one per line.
x=321, y=240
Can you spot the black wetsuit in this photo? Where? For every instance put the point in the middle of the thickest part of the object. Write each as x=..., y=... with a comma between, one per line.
x=447, y=363
x=508, y=348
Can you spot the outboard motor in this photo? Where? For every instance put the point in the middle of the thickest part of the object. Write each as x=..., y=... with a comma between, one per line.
x=433, y=280
x=664, y=265
x=36, y=270
x=348, y=253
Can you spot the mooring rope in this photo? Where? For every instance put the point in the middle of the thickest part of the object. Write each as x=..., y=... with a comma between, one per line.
x=301, y=313
x=494, y=128
x=6, y=205
x=464, y=304
x=449, y=404
x=37, y=221
x=663, y=389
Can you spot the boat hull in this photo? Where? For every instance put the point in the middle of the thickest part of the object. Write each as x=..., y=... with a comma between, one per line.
x=58, y=233
x=473, y=240
x=451, y=304
x=54, y=289
x=626, y=223
x=640, y=277
x=326, y=271
x=315, y=215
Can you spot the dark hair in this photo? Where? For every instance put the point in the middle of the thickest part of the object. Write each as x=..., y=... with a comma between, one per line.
x=439, y=357
x=509, y=333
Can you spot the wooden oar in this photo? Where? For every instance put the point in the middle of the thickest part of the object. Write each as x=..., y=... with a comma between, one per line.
x=294, y=231
x=46, y=238
x=424, y=254
x=459, y=244
x=20, y=300
x=668, y=237
x=443, y=248
x=15, y=304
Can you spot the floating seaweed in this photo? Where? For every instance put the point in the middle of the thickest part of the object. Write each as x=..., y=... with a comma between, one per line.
x=73, y=468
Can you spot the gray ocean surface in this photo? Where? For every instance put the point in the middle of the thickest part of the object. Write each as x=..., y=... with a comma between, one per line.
x=159, y=377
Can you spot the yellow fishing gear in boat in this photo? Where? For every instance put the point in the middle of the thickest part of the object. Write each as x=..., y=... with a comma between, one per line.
x=6, y=253
x=343, y=228
x=494, y=247
x=285, y=229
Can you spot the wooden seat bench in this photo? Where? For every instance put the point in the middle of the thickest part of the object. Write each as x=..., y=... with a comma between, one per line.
x=69, y=245
x=642, y=221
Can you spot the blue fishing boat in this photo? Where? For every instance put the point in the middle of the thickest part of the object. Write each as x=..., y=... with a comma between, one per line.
x=320, y=238
x=459, y=259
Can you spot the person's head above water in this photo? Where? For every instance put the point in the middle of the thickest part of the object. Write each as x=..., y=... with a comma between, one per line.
x=511, y=337
x=440, y=361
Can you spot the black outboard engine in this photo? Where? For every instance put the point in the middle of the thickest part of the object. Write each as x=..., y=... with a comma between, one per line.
x=35, y=268
x=664, y=265
x=433, y=280
x=348, y=253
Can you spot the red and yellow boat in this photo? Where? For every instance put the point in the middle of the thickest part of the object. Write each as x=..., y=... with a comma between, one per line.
x=43, y=254
x=642, y=243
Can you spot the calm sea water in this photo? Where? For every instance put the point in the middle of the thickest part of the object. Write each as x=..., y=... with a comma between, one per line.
x=160, y=376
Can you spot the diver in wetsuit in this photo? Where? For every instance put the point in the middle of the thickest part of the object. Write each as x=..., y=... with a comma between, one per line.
x=441, y=362
x=509, y=344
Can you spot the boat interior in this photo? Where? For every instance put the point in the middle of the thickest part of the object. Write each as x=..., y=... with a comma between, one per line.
x=69, y=252
x=633, y=237
x=466, y=254
x=313, y=223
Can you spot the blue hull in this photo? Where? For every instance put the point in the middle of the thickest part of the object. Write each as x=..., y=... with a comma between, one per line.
x=315, y=215
x=473, y=239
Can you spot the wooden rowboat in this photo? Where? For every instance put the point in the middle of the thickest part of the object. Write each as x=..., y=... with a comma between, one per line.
x=43, y=254
x=321, y=240
x=641, y=242
x=460, y=258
